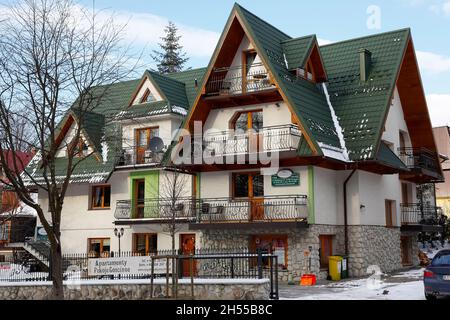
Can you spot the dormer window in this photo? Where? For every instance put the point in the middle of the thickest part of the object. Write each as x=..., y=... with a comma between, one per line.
x=80, y=148
x=147, y=97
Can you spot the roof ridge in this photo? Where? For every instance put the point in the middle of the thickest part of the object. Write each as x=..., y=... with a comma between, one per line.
x=237, y=5
x=365, y=37
x=184, y=71
x=164, y=76
x=299, y=38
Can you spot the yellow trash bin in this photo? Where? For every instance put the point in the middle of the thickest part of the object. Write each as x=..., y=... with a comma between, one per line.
x=335, y=267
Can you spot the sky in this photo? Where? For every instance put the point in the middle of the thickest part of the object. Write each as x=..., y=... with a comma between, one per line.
x=201, y=22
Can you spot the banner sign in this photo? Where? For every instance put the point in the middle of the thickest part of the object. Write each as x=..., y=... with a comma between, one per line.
x=127, y=265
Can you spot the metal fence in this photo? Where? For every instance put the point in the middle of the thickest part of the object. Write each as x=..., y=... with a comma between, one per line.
x=417, y=213
x=198, y=264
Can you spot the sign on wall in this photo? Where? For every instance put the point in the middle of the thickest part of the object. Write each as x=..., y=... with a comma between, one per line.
x=293, y=180
x=126, y=265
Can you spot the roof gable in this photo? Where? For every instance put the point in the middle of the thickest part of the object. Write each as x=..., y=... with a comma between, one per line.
x=362, y=106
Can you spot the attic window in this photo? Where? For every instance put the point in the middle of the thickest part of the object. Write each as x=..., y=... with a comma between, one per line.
x=147, y=97
x=302, y=73
x=81, y=148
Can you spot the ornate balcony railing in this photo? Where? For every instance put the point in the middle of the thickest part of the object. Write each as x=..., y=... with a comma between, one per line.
x=131, y=156
x=419, y=214
x=419, y=158
x=268, y=139
x=231, y=80
x=207, y=210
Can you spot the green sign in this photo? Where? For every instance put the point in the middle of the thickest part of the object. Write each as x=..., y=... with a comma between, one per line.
x=293, y=180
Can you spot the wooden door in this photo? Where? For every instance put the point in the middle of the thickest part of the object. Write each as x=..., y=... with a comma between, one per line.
x=143, y=137
x=187, y=246
x=139, y=198
x=405, y=243
x=256, y=196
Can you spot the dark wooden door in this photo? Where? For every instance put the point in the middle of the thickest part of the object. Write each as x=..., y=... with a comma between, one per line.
x=405, y=243
x=187, y=246
x=139, y=198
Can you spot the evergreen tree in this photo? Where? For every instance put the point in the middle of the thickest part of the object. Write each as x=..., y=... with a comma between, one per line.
x=171, y=58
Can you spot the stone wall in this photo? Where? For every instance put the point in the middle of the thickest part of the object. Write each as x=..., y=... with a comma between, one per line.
x=373, y=245
x=250, y=290
x=368, y=245
x=299, y=241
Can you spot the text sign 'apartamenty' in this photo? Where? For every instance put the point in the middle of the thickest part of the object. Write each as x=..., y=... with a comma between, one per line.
x=127, y=265
x=293, y=180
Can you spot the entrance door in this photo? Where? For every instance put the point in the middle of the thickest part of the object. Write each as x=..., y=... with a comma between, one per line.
x=139, y=198
x=251, y=186
x=250, y=122
x=187, y=246
x=143, y=137
x=405, y=243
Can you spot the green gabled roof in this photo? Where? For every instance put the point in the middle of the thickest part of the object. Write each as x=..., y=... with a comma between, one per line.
x=387, y=156
x=173, y=90
x=297, y=50
x=307, y=99
x=362, y=107
x=188, y=78
x=94, y=125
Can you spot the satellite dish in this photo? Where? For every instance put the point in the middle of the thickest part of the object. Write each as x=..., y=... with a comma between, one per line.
x=156, y=144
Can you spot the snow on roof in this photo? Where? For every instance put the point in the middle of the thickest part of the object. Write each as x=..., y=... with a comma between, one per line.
x=333, y=152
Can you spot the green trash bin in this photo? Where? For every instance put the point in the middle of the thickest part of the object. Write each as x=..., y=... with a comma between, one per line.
x=344, y=267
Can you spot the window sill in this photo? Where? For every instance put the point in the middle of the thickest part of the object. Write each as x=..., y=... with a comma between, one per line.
x=99, y=209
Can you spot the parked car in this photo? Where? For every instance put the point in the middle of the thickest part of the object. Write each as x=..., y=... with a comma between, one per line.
x=436, y=276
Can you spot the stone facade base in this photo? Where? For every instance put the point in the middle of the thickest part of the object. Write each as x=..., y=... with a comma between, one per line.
x=250, y=290
x=369, y=246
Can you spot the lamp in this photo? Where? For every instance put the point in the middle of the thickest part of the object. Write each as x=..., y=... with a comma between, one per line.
x=119, y=233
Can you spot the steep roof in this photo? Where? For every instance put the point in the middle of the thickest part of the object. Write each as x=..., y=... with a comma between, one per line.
x=103, y=131
x=297, y=50
x=362, y=106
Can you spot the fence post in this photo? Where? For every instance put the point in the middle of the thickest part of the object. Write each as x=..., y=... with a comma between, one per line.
x=260, y=262
x=276, y=296
x=152, y=272
x=191, y=267
x=232, y=267
x=167, y=276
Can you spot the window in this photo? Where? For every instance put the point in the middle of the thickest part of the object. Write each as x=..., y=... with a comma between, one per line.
x=101, y=197
x=326, y=250
x=248, y=185
x=390, y=213
x=5, y=227
x=243, y=121
x=145, y=243
x=143, y=137
x=147, y=97
x=274, y=244
x=80, y=148
x=99, y=247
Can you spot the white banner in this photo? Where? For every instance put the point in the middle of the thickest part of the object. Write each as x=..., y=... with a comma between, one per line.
x=127, y=265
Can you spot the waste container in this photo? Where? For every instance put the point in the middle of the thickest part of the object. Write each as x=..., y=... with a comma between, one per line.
x=335, y=267
x=344, y=269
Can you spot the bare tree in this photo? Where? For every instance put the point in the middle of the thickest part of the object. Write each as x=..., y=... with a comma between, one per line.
x=53, y=52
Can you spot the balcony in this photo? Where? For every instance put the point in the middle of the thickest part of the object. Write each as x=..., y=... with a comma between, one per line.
x=269, y=139
x=422, y=162
x=420, y=217
x=231, y=80
x=216, y=212
x=155, y=211
x=137, y=156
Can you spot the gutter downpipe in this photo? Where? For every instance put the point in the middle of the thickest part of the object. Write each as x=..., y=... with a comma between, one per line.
x=345, y=212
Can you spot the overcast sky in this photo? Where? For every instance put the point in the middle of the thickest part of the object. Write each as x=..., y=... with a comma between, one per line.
x=201, y=22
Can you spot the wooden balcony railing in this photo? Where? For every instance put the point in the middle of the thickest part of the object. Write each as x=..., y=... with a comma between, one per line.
x=231, y=80
x=208, y=210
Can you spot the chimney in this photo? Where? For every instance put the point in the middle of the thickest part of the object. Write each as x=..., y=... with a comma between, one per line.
x=365, y=61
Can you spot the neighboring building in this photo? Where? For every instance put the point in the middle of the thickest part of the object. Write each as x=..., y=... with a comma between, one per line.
x=442, y=137
x=17, y=220
x=347, y=168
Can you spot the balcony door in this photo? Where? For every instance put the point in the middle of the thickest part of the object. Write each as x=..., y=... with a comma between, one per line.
x=139, y=198
x=143, y=137
x=250, y=186
x=250, y=122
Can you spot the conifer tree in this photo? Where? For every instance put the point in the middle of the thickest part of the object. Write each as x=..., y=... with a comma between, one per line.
x=171, y=58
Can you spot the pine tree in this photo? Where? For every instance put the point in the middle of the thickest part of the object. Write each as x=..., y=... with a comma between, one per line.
x=171, y=58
